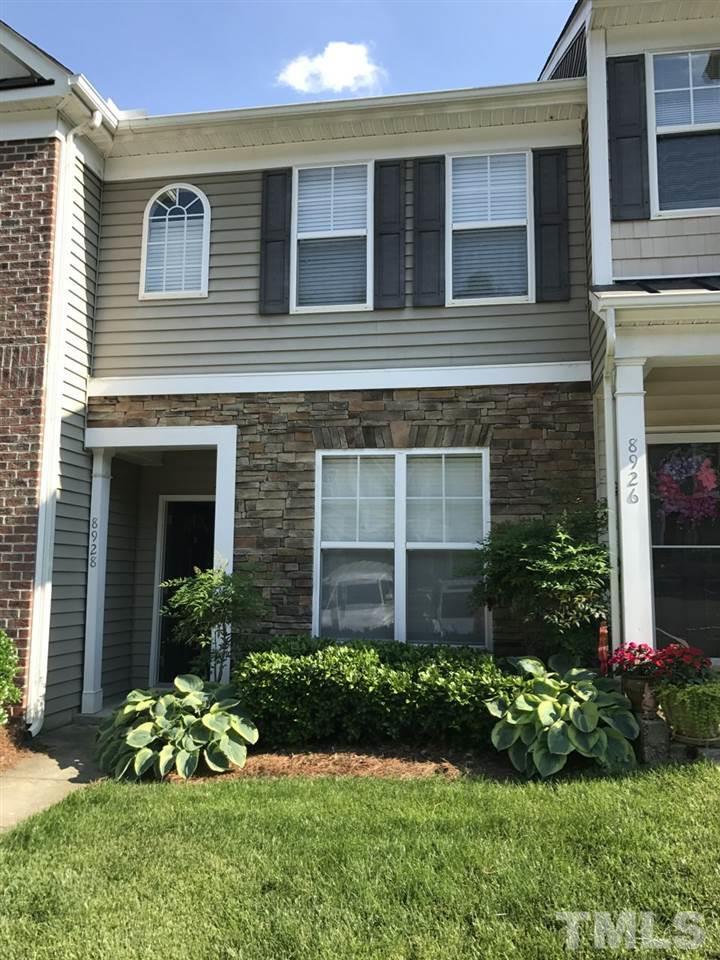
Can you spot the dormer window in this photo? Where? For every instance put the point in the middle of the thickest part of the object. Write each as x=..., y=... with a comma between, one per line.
x=176, y=244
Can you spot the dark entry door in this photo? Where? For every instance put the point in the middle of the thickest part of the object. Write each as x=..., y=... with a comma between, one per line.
x=189, y=529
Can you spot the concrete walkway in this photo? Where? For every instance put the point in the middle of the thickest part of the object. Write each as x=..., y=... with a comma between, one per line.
x=61, y=762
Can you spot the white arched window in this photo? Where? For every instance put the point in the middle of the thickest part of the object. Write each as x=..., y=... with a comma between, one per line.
x=176, y=243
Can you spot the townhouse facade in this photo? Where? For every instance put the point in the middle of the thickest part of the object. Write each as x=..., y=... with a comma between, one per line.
x=339, y=339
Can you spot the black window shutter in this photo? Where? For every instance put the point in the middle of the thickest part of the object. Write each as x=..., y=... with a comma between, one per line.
x=628, y=138
x=552, y=269
x=389, y=234
x=429, y=232
x=275, y=241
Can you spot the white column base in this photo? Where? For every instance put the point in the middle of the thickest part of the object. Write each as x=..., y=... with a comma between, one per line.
x=92, y=701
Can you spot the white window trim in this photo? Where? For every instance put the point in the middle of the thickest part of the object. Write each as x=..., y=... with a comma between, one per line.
x=369, y=236
x=449, y=230
x=177, y=294
x=398, y=545
x=655, y=212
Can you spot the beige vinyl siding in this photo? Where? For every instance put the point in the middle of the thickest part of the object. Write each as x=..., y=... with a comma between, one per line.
x=596, y=327
x=120, y=580
x=682, y=397
x=224, y=333
x=666, y=247
x=181, y=474
x=67, y=612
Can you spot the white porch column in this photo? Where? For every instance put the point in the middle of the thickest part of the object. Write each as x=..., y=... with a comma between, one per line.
x=92, y=695
x=633, y=501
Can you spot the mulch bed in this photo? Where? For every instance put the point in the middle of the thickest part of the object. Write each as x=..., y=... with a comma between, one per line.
x=12, y=749
x=389, y=763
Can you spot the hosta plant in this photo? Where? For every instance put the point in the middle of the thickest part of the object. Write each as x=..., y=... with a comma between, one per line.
x=561, y=711
x=155, y=733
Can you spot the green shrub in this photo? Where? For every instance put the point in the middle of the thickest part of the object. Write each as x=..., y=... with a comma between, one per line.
x=213, y=610
x=552, y=574
x=153, y=733
x=304, y=691
x=9, y=669
x=560, y=713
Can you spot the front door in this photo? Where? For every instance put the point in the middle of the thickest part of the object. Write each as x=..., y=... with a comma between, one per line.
x=189, y=529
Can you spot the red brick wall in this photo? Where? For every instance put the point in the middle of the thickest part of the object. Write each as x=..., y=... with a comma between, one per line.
x=28, y=179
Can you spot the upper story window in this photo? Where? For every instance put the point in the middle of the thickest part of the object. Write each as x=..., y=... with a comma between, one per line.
x=489, y=239
x=686, y=100
x=176, y=244
x=331, y=256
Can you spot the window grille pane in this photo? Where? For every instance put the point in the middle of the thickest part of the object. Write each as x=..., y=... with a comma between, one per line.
x=671, y=71
x=424, y=521
x=377, y=521
x=332, y=272
x=463, y=521
x=689, y=171
x=463, y=476
x=487, y=189
x=489, y=263
x=339, y=477
x=672, y=108
x=350, y=198
x=357, y=594
x=377, y=476
x=706, y=68
x=424, y=476
x=706, y=104
x=339, y=520
x=439, y=609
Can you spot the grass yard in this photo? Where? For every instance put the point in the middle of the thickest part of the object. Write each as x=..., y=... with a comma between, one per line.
x=343, y=869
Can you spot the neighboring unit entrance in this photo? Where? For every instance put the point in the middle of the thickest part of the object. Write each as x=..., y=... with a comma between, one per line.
x=185, y=541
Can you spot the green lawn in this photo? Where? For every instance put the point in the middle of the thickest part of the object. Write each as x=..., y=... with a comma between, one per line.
x=348, y=868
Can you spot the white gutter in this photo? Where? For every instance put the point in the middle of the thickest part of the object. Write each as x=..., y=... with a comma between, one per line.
x=602, y=301
x=52, y=413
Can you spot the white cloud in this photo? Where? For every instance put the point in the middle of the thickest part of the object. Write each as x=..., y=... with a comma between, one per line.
x=341, y=66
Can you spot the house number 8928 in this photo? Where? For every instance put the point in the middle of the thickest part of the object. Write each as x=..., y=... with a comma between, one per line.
x=632, y=481
x=94, y=531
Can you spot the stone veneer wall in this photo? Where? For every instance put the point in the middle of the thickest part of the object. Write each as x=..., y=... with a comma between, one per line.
x=28, y=187
x=540, y=438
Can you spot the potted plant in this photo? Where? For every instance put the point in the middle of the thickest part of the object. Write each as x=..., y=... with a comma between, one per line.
x=692, y=710
x=634, y=664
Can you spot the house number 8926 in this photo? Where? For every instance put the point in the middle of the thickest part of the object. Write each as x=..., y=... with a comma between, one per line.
x=632, y=481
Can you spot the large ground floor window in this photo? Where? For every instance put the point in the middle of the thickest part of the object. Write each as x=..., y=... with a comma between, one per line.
x=394, y=538
x=685, y=504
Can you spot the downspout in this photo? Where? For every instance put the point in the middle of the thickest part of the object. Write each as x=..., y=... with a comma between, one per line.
x=52, y=424
x=608, y=317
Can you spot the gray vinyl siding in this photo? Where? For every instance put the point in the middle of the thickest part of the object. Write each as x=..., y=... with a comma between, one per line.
x=666, y=247
x=597, y=334
x=182, y=473
x=224, y=333
x=67, y=612
x=120, y=580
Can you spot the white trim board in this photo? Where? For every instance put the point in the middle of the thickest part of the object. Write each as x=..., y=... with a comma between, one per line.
x=160, y=533
x=570, y=371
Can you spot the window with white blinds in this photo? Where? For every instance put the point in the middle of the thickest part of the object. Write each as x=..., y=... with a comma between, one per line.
x=394, y=541
x=686, y=97
x=488, y=239
x=176, y=243
x=332, y=216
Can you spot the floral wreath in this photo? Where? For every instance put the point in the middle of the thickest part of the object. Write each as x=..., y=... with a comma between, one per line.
x=687, y=485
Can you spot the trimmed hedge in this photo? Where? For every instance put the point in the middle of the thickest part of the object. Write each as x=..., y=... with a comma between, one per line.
x=301, y=690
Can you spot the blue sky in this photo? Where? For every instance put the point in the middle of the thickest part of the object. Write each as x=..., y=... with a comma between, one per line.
x=170, y=56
